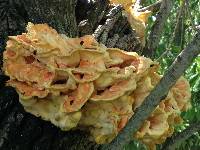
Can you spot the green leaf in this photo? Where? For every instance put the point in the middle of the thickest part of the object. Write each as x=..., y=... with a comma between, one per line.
x=196, y=87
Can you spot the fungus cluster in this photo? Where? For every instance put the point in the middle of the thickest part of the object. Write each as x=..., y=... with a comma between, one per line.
x=80, y=83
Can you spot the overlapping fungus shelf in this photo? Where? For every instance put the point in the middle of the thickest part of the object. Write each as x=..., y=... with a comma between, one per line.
x=80, y=83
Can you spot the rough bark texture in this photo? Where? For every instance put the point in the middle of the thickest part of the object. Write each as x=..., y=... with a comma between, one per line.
x=157, y=29
x=178, y=67
x=58, y=14
x=90, y=19
x=114, y=31
x=172, y=142
x=20, y=130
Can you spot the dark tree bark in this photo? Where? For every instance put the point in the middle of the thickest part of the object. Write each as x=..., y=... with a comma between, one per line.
x=20, y=130
x=58, y=14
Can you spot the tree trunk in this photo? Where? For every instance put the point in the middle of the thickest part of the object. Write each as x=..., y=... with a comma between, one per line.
x=20, y=130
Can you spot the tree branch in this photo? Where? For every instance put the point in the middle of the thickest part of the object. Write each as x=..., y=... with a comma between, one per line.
x=113, y=16
x=157, y=28
x=93, y=17
x=153, y=7
x=179, y=30
x=172, y=142
x=166, y=52
x=178, y=67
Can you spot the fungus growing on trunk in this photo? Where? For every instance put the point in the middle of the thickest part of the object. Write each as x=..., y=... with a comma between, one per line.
x=80, y=83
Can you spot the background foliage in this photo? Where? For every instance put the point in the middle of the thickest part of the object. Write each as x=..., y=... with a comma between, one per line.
x=178, y=32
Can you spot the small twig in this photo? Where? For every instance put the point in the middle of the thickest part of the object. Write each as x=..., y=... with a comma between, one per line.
x=172, y=142
x=162, y=55
x=153, y=7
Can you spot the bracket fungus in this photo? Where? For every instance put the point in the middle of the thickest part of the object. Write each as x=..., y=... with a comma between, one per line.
x=80, y=83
